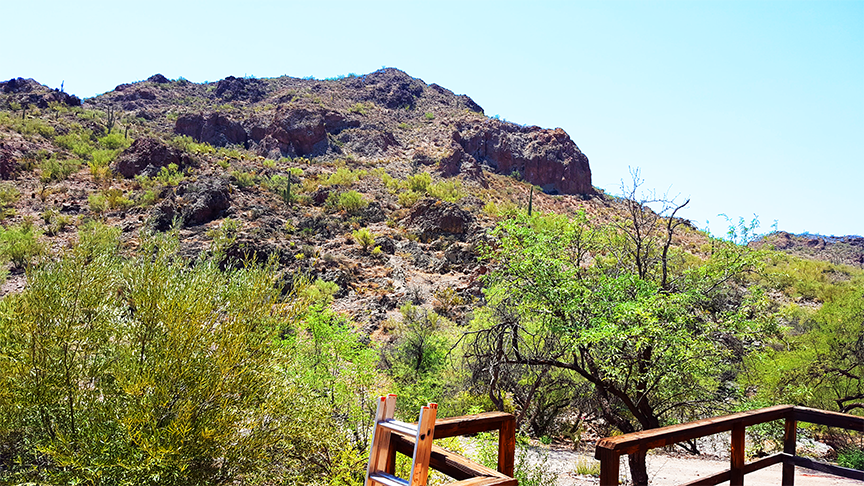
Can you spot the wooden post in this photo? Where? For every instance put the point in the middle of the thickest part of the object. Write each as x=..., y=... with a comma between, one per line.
x=507, y=446
x=789, y=439
x=736, y=471
x=609, y=467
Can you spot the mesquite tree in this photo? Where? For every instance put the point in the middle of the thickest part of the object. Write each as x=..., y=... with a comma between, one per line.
x=649, y=328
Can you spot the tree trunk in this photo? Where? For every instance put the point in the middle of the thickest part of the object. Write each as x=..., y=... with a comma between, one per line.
x=638, y=470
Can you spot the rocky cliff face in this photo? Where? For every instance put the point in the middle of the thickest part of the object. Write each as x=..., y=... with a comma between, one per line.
x=382, y=115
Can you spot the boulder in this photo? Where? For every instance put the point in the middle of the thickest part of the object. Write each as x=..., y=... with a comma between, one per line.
x=159, y=79
x=203, y=200
x=431, y=218
x=146, y=156
x=214, y=128
x=246, y=89
x=301, y=131
x=390, y=88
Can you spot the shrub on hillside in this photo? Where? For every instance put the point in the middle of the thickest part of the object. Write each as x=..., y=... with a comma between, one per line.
x=107, y=378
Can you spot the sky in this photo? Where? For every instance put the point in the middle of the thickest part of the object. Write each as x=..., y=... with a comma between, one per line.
x=746, y=108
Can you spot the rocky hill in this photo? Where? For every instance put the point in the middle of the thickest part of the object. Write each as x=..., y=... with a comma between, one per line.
x=380, y=183
x=842, y=250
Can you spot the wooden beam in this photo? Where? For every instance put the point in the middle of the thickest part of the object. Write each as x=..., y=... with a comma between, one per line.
x=486, y=482
x=736, y=456
x=790, y=437
x=828, y=468
x=748, y=468
x=831, y=419
x=470, y=424
x=660, y=437
x=507, y=446
x=610, y=464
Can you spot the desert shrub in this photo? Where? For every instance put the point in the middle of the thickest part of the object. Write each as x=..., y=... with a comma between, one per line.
x=9, y=195
x=352, y=202
x=358, y=108
x=418, y=182
x=27, y=126
x=408, y=198
x=79, y=141
x=170, y=176
x=147, y=198
x=244, y=179
x=114, y=141
x=188, y=144
x=182, y=383
x=364, y=238
x=851, y=458
x=53, y=170
x=55, y=222
x=447, y=190
x=19, y=244
x=98, y=203
x=344, y=177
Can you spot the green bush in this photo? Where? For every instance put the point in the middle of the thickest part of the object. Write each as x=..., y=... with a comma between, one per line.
x=244, y=179
x=344, y=177
x=114, y=141
x=53, y=170
x=419, y=182
x=19, y=244
x=364, y=238
x=447, y=190
x=352, y=202
x=210, y=376
x=851, y=458
x=79, y=141
x=188, y=144
x=9, y=195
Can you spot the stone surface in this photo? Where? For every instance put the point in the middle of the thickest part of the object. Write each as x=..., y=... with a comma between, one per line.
x=146, y=156
x=214, y=128
x=547, y=158
x=203, y=200
x=431, y=218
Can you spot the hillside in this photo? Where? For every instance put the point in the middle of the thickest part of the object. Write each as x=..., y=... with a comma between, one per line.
x=206, y=154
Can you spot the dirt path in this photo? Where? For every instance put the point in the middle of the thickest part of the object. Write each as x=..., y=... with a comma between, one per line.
x=667, y=470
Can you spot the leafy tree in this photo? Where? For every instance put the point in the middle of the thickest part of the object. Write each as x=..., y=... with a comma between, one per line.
x=648, y=329
x=820, y=361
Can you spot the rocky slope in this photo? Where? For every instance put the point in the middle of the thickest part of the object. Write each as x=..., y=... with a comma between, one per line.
x=288, y=169
x=843, y=250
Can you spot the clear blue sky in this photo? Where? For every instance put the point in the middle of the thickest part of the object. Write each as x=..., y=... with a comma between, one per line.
x=744, y=107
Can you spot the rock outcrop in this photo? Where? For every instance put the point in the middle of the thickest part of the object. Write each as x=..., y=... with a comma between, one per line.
x=431, y=218
x=215, y=129
x=29, y=92
x=146, y=156
x=547, y=158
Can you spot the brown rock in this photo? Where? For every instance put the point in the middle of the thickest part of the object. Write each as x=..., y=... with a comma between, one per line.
x=547, y=158
x=147, y=156
x=215, y=129
x=431, y=218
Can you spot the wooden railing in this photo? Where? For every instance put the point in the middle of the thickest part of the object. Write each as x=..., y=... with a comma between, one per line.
x=610, y=449
x=465, y=471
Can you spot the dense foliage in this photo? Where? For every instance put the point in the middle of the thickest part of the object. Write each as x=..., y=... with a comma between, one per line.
x=156, y=370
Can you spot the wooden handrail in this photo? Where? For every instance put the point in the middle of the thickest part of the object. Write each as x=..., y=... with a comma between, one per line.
x=468, y=473
x=610, y=449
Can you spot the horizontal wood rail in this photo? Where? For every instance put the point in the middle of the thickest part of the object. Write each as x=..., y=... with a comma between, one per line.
x=610, y=449
x=465, y=471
